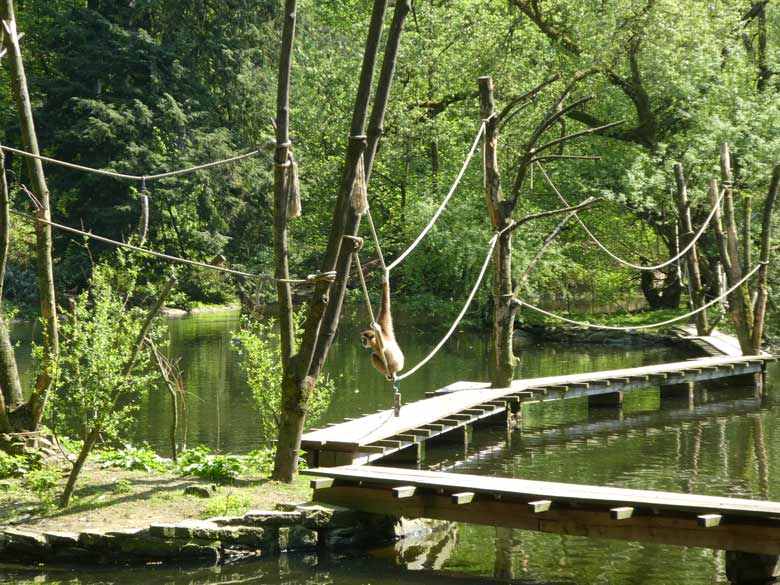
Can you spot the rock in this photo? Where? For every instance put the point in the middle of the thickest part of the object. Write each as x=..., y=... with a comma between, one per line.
x=146, y=547
x=25, y=543
x=287, y=507
x=95, y=540
x=200, y=491
x=327, y=516
x=271, y=518
x=61, y=539
x=297, y=538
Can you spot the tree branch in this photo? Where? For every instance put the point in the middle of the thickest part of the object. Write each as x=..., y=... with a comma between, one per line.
x=590, y=201
x=535, y=260
x=575, y=135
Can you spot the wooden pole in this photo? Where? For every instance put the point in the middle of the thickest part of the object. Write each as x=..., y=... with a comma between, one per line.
x=740, y=298
x=301, y=373
x=281, y=160
x=759, y=312
x=43, y=244
x=692, y=260
x=505, y=309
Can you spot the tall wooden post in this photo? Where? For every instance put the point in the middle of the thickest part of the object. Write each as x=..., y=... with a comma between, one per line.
x=42, y=231
x=500, y=215
x=691, y=258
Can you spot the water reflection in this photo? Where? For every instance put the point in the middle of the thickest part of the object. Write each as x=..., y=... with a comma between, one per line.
x=724, y=443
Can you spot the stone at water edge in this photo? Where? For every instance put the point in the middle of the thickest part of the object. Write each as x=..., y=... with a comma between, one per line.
x=200, y=491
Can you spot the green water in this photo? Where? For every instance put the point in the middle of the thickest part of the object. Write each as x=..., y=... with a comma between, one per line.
x=728, y=444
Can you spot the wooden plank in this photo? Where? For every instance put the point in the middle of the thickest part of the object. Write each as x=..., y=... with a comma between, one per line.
x=404, y=491
x=462, y=497
x=408, y=437
x=529, y=490
x=389, y=443
x=749, y=535
x=622, y=513
x=539, y=506
x=321, y=483
x=383, y=425
x=709, y=520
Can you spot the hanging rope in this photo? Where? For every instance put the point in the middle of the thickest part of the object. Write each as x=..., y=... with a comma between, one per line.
x=649, y=325
x=459, y=318
x=439, y=211
x=311, y=279
x=618, y=258
x=143, y=228
x=141, y=178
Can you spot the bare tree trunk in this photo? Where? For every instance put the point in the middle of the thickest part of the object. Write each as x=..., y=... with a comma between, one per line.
x=740, y=298
x=692, y=260
x=281, y=162
x=505, y=309
x=323, y=317
x=42, y=230
x=763, y=272
x=10, y=385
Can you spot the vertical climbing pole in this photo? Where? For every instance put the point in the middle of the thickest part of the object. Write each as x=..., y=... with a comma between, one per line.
x=500, y=216
x=43, y=242
x=691, y=258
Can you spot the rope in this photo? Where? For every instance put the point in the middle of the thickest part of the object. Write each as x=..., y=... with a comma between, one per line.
x=131, y=177
x=313, y=278
x=375, y=237
x=649, y=325
x=626, y=262
x=439, y=211
x=459, y=318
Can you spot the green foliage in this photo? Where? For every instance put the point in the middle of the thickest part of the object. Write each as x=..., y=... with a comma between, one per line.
x=14, y=465
x=258, y=346
x=261, y=461
x=228, y=505
x=201, y=462
x=132, y=458
x=122, y=487
x=93, y=385
x=43, y=483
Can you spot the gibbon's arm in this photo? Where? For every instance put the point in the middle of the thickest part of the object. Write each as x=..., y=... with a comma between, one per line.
x=385, y=319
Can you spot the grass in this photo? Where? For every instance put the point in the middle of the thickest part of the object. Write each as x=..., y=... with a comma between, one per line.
x=115, y=499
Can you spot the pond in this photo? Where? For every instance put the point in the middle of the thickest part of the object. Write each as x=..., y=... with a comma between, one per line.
x=727, y=445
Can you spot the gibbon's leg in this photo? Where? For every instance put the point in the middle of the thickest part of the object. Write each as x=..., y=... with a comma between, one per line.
x=378, y=364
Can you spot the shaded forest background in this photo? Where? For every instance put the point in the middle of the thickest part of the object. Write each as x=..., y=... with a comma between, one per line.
x=143, y=86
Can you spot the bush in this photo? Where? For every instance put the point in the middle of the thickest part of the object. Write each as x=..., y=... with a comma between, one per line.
x=93, y=387
x=258, y=346
x=14, y=465
x=202, y=463
x=132, y=459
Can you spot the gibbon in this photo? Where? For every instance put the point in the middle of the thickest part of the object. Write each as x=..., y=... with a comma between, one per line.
x=382, y=331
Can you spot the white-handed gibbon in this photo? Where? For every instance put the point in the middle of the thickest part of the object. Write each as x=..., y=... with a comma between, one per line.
x=381, y=337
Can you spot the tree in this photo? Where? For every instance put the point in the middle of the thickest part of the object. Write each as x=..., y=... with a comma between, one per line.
x=302, y=365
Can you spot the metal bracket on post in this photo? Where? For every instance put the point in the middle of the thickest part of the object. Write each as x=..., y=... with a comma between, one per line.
x=397, y=397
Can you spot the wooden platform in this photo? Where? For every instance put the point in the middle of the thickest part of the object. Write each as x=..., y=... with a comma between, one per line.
x=714, y=344
x=732, y=524
x=465, y=403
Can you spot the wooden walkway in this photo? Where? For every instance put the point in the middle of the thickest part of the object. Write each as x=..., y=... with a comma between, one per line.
x=463, y=404
x=732, y=524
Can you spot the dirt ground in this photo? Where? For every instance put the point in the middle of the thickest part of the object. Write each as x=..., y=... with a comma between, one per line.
x=111, y=499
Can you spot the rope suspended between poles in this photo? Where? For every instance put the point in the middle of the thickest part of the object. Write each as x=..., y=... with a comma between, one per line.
x=718, y=299
x=617, y=258
x=310, y=279
x=128, y=177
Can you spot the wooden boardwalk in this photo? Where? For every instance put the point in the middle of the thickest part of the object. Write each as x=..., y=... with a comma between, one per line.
x=460, y=405
x=732, y=524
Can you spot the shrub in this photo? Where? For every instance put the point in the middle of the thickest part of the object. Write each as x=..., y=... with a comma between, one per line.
x=132, y=459
x=228, y=505
x=258, y=345
x=14, y=465
x=93, y=386
x=202, y=463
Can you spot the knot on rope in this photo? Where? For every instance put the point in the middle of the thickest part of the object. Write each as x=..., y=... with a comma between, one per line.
x=357, y=242
x=329, y=276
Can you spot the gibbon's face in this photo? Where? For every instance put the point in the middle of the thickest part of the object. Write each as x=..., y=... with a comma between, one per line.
x=368, y=339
